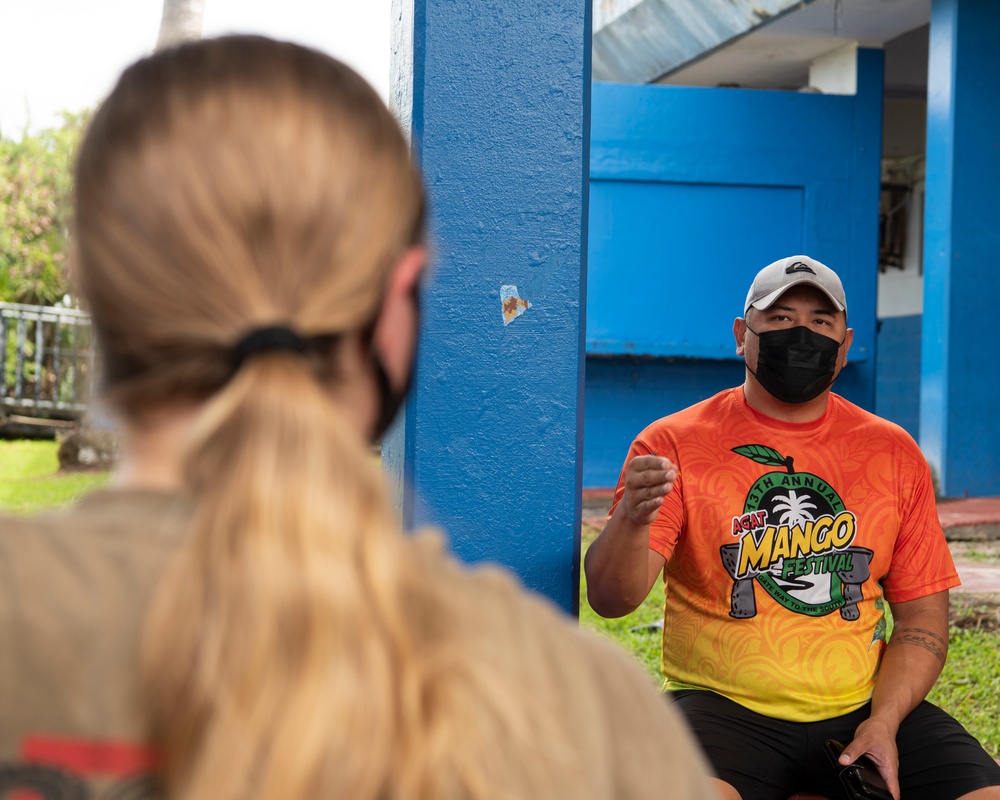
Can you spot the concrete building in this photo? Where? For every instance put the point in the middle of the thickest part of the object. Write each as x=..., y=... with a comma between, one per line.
x=862, y=133
x=746, y=131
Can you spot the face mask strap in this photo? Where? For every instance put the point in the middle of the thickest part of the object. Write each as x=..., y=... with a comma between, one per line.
x=390, y=398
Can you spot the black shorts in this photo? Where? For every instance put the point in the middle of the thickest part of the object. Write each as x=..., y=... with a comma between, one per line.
x=771, y=759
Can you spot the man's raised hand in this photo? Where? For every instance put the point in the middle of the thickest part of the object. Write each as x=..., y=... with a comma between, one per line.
x=648, y=479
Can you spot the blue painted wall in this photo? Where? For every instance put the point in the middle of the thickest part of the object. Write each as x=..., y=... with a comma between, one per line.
x=490, y=445
x=897, y=394
x=671, y=262
x=692, y=192
x=959, y=425
x=625, y=394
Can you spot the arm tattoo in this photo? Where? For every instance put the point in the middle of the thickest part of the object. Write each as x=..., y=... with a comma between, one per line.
x=928, y=640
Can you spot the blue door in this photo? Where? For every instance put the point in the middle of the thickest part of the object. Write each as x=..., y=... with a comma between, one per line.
x=692, y=191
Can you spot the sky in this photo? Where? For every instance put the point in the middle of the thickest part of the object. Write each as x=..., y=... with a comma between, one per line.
x=65, y=55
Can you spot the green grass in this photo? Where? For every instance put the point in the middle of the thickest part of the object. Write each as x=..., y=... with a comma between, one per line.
x=633, y=632
x=970, y=684
x=967, y=689
x=982, y=556
x=30, y=479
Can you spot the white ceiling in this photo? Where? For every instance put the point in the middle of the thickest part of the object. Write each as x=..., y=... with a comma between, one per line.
x=777, y=55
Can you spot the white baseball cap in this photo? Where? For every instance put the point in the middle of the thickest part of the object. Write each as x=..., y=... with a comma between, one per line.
x=772, y=281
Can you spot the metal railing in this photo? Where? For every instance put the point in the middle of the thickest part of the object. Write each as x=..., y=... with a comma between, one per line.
x=46, y=361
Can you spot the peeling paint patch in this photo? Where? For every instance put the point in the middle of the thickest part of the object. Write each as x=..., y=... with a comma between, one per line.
x=511, y=305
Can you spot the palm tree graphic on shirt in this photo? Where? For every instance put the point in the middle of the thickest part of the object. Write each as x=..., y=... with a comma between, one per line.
x=794, y=509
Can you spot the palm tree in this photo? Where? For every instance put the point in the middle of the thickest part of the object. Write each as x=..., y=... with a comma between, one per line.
x=795, y=508
x=181, y=21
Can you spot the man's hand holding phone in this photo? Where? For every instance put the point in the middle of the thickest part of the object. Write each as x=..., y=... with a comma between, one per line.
x=861, y=780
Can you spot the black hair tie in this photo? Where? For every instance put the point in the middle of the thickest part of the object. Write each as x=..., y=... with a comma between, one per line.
x=265, y=340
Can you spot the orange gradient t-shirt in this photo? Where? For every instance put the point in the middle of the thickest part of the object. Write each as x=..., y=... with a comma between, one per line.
x=783, y=541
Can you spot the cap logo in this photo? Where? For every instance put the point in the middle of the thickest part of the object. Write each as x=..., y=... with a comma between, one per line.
x=798, y=266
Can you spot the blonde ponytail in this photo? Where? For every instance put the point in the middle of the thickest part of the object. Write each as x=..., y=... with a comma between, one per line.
x=295, y=649
x=275, y=642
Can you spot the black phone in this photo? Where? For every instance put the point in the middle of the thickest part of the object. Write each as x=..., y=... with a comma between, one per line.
x=861, y=780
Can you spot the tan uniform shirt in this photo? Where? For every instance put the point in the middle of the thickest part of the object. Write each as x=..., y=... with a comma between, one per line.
x=74, y=588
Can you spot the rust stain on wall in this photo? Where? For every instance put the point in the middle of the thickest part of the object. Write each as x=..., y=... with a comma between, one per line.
x=512, y=306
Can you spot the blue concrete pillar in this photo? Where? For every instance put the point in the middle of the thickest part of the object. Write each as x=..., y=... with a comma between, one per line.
x=960, y=378
x=496, y=97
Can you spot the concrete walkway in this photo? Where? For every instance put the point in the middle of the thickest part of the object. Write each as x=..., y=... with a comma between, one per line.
x=973, y=524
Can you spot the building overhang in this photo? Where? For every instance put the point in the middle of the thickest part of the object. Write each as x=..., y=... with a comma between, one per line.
x=753, y=43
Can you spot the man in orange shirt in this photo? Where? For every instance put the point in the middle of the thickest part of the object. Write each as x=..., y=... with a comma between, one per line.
x=783, y=519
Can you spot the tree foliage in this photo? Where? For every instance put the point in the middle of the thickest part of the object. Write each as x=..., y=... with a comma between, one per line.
x=35, y=188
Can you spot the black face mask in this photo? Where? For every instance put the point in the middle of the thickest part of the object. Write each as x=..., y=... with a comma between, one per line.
x=391, y=398
x=795, y=365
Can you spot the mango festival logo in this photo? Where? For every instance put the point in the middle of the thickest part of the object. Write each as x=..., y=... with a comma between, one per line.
x=795, y=542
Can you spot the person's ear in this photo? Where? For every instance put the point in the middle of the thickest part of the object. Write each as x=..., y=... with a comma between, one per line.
x=740, y=334
x=395, y=334
x=846, y=346
x=408, y=271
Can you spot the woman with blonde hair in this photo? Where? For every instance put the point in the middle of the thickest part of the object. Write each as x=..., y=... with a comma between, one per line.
x=240, y=615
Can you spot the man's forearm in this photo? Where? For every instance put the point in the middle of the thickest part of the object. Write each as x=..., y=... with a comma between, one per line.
x=617, y=567
x=913, y=659
x=910, y=665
